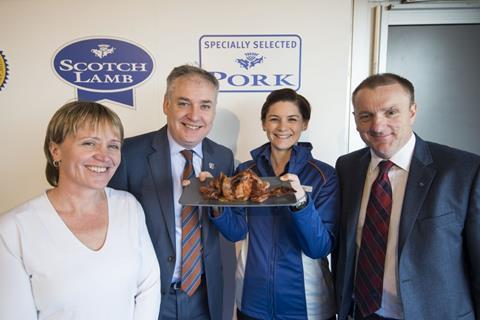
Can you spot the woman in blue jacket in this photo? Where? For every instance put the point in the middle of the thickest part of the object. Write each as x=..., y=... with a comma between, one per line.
x=283, y=271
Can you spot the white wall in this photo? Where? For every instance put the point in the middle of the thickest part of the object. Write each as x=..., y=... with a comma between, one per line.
x=362, y=56
x=31, y=32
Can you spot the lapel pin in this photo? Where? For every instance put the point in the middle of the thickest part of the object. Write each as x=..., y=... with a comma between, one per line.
x=211, y=165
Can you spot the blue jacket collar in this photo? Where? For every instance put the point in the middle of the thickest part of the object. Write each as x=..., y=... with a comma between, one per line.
x=301, y=153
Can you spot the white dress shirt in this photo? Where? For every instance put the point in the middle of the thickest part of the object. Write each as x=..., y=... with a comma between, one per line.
x=178, y=161
x=398, y=175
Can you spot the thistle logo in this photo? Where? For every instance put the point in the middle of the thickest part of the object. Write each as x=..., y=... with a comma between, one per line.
x=240, y=63
x=103, y=50
x=251, y=59
x=104, y=68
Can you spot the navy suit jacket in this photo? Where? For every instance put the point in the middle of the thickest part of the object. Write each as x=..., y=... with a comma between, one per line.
x=439, y=236
x=145, y=171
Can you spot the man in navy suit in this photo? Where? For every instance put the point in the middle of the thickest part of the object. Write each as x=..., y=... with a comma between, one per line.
x=151, y=169
x=431, y=266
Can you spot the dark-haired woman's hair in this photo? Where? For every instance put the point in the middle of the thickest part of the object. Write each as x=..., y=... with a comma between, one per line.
x=287, y=95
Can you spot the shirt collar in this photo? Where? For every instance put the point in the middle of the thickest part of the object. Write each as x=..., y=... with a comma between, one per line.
x=401, y=159
x=175, y=148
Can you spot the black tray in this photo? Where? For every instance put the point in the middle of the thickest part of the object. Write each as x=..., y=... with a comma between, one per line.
x=191, y=196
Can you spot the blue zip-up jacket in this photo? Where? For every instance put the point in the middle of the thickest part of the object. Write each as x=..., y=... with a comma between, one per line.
x=282, y=271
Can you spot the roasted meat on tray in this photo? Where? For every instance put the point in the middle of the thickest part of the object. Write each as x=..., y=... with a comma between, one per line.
x=245, y=185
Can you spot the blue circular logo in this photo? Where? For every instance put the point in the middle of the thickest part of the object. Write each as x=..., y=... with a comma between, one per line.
x=103, y=64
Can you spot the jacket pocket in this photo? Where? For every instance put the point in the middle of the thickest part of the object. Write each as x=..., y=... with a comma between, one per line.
x=468, y=316
x=446, y=218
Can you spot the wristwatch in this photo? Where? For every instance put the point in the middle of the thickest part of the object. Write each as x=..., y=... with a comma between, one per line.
x=301, y=203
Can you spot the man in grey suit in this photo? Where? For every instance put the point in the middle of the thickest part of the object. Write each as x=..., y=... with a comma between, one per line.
x=428, y=258
x=151, y=169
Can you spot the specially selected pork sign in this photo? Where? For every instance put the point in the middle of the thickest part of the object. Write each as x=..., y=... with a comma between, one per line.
x=253, y=63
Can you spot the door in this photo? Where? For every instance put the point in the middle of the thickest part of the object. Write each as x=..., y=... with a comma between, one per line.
x=437, y=47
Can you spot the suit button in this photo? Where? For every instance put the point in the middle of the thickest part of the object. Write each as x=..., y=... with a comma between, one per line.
x=171, y=258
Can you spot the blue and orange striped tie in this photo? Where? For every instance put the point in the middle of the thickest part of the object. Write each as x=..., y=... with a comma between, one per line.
x=191, y=244
x=371, y=256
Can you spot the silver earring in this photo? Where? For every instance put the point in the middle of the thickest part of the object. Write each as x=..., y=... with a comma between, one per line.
x=56, y=163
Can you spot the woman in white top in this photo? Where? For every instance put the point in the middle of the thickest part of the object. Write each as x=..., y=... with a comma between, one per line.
x=80, y=250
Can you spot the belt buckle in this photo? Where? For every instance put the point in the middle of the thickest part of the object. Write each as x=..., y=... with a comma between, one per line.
x=176, y=285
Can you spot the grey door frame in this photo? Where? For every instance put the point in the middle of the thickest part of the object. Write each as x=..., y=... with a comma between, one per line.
x=421, y=14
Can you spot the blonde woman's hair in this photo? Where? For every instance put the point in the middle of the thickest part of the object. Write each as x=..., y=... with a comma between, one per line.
x=68, y=120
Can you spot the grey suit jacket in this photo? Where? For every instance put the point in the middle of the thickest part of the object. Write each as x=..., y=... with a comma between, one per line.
x=145, y=172
x=439, y=236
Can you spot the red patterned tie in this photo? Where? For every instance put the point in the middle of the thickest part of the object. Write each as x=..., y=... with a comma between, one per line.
x=371, y=257
x=191, y=244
